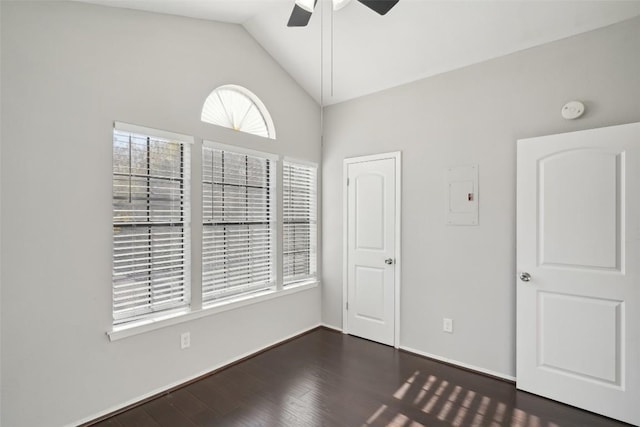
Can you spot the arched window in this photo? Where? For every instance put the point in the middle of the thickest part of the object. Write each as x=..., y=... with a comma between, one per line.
x=236, y=107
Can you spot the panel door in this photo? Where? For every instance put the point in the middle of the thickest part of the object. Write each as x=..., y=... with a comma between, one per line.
x=578, y=290
x=371, y=249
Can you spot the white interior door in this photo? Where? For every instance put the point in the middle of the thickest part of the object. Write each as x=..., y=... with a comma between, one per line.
x=371, y=248
x=578, y=294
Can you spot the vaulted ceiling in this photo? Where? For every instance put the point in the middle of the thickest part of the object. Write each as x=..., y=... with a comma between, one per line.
x=360, y=52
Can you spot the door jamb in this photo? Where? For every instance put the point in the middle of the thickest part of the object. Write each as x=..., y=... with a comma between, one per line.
x=397, y=157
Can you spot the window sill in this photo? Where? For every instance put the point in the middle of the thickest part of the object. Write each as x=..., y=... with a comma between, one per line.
x=186, y=315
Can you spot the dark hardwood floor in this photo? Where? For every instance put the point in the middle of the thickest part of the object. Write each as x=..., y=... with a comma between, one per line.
x=325, y=378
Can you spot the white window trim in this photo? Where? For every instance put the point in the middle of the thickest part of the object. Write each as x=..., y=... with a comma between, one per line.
x=315, y=166
x=183, y=139
x=158, y=133
x=302, y=162
x=197, y=311
x=275, y=284
x=241, y=150
x=186, y=315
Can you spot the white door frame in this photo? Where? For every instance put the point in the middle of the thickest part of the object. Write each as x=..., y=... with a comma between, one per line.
x=397, y=157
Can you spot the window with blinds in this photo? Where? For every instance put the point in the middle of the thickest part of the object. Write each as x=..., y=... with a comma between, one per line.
x=299, y=222
x=151, y=249
x=237, y=214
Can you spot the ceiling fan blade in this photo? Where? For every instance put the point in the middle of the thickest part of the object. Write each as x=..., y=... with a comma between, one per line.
x=299, y=17
x=380, y=6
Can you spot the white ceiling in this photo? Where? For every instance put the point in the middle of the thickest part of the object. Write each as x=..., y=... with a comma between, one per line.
x=416, y=39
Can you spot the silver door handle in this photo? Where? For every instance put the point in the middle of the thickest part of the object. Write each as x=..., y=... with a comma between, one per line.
x=388, y=261
x=525, y=277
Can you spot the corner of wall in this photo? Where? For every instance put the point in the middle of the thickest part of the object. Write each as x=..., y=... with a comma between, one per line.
x=1, y=388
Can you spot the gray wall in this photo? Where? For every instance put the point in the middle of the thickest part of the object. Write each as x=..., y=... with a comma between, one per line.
x=472, y=115
x=68, y=71
x=0, y=223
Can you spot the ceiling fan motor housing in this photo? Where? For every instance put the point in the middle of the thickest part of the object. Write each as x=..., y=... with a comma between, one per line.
x=303, y=9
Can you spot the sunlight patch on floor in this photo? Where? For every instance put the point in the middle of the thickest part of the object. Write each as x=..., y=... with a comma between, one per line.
x=456, y=406
x=375, y=415
x=402, y=420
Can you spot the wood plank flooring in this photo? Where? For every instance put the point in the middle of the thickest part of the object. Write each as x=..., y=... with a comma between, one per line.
x=325, y=378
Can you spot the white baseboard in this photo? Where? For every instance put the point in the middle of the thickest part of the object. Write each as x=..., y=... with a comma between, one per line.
x=186, y=380
x=325, y=325
x=460, y=364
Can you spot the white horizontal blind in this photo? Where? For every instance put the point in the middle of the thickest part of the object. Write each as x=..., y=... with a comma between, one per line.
x=300, y=222
x=237, y=213
x=231, y=107
x=151, y=211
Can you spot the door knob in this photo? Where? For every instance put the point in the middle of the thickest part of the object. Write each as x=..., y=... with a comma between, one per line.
x=388, y=261
x=525, y=277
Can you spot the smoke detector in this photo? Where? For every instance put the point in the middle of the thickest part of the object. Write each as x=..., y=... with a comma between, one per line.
x=572, y=110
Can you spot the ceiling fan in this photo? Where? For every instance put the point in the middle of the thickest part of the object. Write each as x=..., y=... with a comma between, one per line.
x=303, y=9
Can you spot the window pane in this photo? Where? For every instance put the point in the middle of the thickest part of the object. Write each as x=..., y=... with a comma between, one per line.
x=237, y=224
x=299, y=228
x=236, y=108
x=150, y=235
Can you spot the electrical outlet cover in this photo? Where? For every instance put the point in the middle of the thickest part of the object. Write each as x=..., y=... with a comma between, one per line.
x=447, y=325
x=185, y=340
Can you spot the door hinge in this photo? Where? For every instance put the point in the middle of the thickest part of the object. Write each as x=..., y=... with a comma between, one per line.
x=347, y=305
x=347, y=181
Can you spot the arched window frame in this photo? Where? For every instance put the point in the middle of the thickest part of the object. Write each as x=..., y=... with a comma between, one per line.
x=262, y=109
